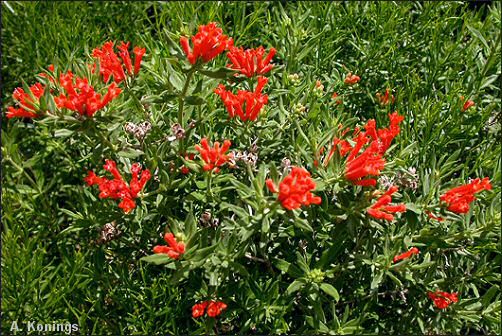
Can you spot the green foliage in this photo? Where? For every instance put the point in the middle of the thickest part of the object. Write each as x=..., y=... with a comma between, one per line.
x=319, y=269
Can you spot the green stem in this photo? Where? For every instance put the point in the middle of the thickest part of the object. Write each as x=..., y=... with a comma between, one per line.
x=32, y=181
x=332, y=180
x=104, y=139
x=183, y=95
x=155, y=192
x=136, y=100
x=209, y=184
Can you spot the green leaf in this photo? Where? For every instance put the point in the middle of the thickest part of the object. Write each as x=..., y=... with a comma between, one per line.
x=490, y=293
x=421, y=325
x=202, y=253
x=394, y=278
x=72, y=214
x=197, y=196
x=287, y=267
x=295, y=286
x=131, y=153
x=330, y=290
x=265, y=225
x=192, y=165
x=161, y=98
x=194, y=100
x=376, y=280
x=157, y=259
x=190, y=225
x=176, y=81
x=480, y=37
x=220, y=73
x=303, y=224
x=239, y=268
x=413, y=207
x=63, y=132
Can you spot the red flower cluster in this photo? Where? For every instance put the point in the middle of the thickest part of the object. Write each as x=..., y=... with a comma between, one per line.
x=245, y=104
x=443, y=299
x=406, y=255
x=208, y=43
x=250, y=62
x=214, y=157
x=118, y=188
x=386, y=98
x=381, y=208
x=174, y=250
x=386, y=135
x=214, y=308
x=295, y=189
x=351, y=79
x=369, y=163
x=360, y=166
x=459, y=198
x=81, y=97
x=27, y=102
x=111, y=65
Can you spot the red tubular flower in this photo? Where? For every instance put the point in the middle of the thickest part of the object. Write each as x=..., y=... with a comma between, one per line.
x=467, y=104
x=406, y=255
x=174, y=249
x=386, y=135
x=124, y=55
x=199, y=309
x=214, y=308
x=81, y=97
x=370, y=162
x=381, y=208
x=208, y=43
x=271, y=186
x=112, y=93
x=118, y=188
x=110, y=65
x=443, y=299
x=251, y=62
x=245, y=104
x=26, y=102
x=138, y=56
x=459, y=198
x=351, y=79
x=127, y=204
x=344, y=148
x=214, y=157
x=386, y=98
x=295, y=189
x=136, y=184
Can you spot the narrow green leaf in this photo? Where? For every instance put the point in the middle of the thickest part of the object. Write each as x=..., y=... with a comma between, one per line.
x=330, y=290
x=157, y=259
